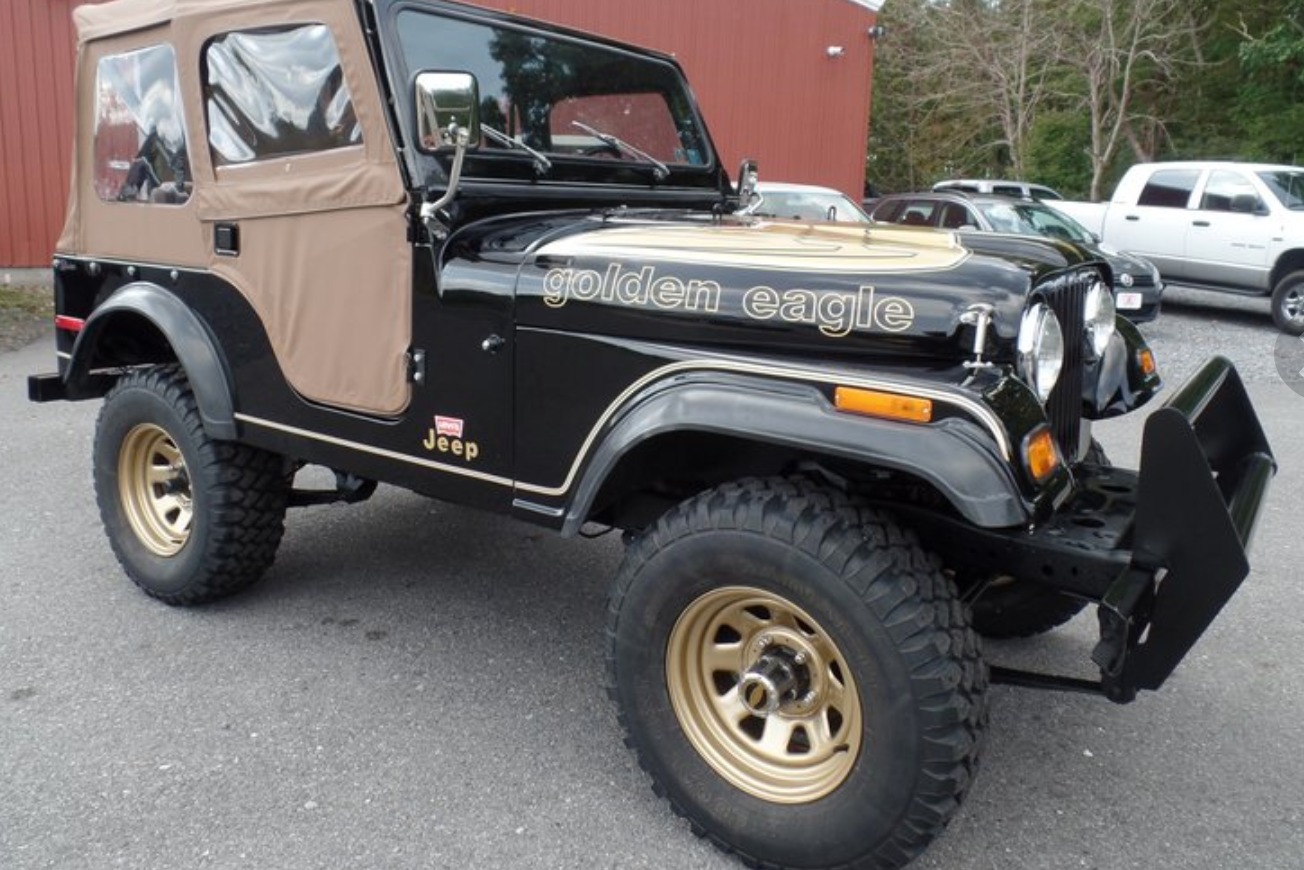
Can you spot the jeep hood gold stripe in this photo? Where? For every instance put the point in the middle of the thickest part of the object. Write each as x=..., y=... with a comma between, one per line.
x=822, y=249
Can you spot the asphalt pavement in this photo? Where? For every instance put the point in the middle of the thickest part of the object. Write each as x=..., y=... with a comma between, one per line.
x=416, y=685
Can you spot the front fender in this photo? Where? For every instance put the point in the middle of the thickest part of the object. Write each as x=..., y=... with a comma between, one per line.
x=181, y=328
x=955, y=455
x=1115, y=384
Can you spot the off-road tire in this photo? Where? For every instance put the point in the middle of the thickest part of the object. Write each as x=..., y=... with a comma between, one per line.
x=195, y=529
x=1014, y=608
x=1288, y=304
x=884, y=617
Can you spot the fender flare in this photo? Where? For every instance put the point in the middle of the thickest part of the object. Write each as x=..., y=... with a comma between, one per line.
x=184, y=331
x=954, y=455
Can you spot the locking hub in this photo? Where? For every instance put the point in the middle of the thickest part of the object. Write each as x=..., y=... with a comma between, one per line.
x=776, y=679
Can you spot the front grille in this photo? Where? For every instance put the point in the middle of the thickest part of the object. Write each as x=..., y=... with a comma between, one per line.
x=1067, y=295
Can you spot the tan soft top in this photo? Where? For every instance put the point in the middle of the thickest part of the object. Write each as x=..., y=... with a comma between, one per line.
x=125, y=16
x=323, y=236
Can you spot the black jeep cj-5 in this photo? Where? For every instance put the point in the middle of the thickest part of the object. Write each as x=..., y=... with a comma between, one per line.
x=498, y=263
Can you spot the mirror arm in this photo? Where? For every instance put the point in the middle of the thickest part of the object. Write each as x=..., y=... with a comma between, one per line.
x=430, y=217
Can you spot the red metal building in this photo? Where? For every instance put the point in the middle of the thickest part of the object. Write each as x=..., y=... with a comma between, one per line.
x=36, y=66
x=784, y=81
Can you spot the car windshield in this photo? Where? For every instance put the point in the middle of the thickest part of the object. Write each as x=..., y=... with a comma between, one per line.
x=1287, y=185
x=1031, y=219
x=813, y=205
x=552, y=93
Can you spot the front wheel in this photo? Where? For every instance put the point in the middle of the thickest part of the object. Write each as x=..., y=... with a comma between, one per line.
x=189, y=518
x=804, y=689
x=1288, y=304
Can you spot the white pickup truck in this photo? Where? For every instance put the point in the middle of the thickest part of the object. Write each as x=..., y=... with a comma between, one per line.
x=1237, y=227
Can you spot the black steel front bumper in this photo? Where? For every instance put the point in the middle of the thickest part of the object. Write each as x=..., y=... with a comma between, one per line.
x=1160, y=550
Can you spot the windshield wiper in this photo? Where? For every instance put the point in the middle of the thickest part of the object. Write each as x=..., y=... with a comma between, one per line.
x=542, y=165
x=659, y=170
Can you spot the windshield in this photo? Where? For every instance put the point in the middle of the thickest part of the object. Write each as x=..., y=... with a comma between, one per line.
x=1031, y=219
x=1287, y=185
x=534, y=88
x=808, y=205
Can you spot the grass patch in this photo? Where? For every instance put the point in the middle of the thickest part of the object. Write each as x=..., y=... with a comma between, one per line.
x=37, y=301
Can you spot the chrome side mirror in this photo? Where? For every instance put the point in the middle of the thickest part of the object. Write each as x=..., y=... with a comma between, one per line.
x=448, y=116
x=748, y=176
x=448, y=110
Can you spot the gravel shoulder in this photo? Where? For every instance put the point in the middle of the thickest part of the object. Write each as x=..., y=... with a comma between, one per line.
x=25, y=312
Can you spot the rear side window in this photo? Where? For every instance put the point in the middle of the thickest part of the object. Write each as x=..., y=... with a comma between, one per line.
x=888, y=211
x=140, y=137
x=955, y=216
x=918, y=213
x=1169, y=188
x=274, y=93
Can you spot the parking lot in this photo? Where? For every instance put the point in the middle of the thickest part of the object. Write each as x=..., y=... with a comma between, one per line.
x=420, y=686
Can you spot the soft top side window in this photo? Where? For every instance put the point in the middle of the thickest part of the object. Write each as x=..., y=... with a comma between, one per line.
x=140, y=135
x=274, y=93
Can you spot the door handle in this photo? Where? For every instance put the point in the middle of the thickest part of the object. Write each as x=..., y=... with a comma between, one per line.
x=1199, y=223
x=493, y=344
x=226, y=239
x=1132, y=217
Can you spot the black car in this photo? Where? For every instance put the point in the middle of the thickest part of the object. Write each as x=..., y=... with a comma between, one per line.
x=1137, y=286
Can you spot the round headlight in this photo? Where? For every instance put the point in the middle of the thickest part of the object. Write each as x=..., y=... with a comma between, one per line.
x=1041, y=349
x=1099, y=315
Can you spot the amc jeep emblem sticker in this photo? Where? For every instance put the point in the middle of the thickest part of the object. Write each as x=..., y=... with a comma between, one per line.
x=446, y=438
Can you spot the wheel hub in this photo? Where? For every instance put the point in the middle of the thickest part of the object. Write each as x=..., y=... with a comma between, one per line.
x=764, y=695
x=775, y=680
x=154, y=487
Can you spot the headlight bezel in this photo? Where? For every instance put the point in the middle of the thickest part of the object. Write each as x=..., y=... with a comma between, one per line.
x=1099, y=311
x=1040, y=348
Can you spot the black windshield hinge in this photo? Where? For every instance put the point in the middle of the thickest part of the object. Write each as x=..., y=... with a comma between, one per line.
x=416, y=366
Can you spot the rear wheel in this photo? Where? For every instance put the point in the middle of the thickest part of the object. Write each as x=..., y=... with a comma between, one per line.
x=189, y=518
x=803, y=688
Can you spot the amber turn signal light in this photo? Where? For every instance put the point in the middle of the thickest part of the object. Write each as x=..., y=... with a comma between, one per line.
x=1041, y=454
x=1146, y=359
x=890, y=406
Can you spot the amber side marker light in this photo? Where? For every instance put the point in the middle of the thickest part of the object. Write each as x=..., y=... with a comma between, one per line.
x=890, y=406
x=1041, y=454
x=1146, y=359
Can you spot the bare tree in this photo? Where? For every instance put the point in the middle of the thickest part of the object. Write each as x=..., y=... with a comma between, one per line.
x=991, y=64
x=999, y=58
x=1123, y=53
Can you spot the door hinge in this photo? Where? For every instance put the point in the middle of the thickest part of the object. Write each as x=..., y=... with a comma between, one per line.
x=416, y=366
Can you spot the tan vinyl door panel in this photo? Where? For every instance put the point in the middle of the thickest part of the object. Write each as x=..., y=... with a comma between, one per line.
x=337, y=309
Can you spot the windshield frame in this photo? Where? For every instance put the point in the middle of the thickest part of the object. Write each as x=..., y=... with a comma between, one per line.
x=506, y=165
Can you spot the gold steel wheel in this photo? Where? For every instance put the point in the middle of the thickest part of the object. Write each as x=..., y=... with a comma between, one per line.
x=154, y=486
x=764, y=695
